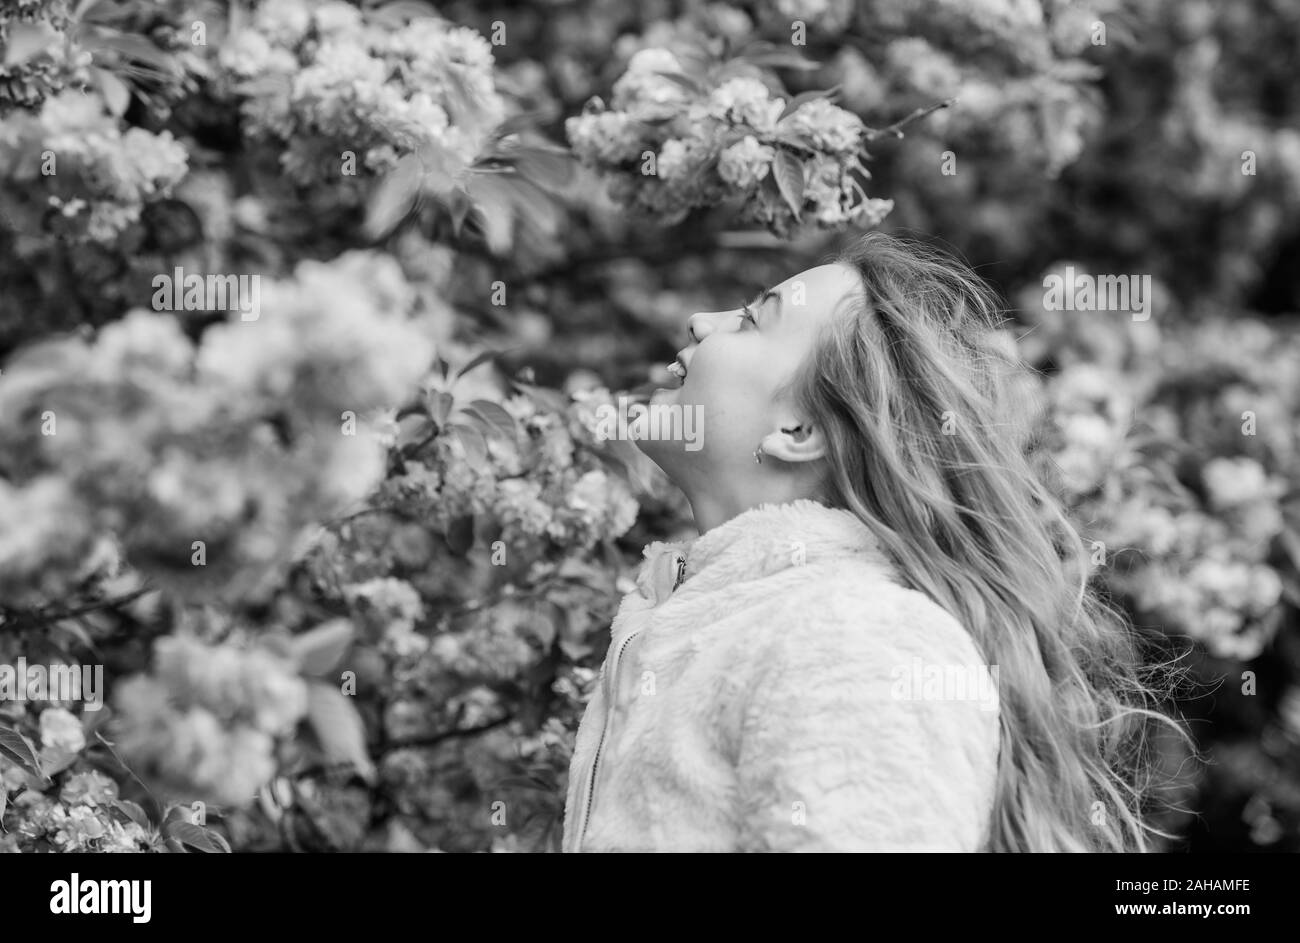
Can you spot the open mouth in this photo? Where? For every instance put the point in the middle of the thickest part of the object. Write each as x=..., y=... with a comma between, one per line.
x=678, y=369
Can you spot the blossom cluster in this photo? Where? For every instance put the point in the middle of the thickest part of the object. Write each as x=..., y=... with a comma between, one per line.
x=94, y=175
x=315, y=72
x=1200, y=558
x=671, y=144
x=206, y=720
x=227, y=449
x=73, y=810
x=46, y=64
x=77, y=819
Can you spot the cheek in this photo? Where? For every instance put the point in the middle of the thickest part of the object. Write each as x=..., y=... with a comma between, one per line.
x=737, y=368
x=732, y=384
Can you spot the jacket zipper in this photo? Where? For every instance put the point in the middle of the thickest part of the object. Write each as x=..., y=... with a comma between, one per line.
x=611, y=688
x=610, y=684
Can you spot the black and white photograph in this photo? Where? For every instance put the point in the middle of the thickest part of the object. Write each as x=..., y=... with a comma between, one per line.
x=670, y=426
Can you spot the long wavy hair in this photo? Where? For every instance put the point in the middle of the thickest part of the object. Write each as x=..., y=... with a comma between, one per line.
x=929, y=445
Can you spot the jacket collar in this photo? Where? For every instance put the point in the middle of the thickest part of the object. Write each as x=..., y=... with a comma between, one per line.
x=758, y=542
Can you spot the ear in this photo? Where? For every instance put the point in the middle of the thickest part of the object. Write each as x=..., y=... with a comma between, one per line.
x=797, y=442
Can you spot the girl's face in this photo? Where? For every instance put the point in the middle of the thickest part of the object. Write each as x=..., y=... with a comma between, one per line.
x=733, y=368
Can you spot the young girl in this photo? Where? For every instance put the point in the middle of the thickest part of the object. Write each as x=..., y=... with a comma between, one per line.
x=883, y=639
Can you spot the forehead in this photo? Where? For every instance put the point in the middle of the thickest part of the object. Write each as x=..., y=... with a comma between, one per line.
x=822, y=289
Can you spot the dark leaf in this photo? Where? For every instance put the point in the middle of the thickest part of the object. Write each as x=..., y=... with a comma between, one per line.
x=198, y=838
x=393, y=197
x=18, y=749
x=498, y=421
x=788, y=173
x=460, y=535
x=133, y=812
x=804, y=98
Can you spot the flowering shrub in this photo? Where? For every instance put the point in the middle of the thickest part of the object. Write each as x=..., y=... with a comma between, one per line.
x=100, y=175
x=325, y=79
x=726, y=136
x=1185, y=488
x=348, y=598
x=33, y=67
x=238, y=443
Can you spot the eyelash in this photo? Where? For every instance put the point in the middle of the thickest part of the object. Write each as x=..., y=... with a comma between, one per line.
x=747, y=314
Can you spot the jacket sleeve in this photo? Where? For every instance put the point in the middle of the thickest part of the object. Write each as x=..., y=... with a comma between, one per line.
x=843, y=748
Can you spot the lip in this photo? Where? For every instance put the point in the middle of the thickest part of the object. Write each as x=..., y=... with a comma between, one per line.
x=682, y=364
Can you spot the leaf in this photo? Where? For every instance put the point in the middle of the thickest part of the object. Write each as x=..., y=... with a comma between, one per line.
x=339, y=728
x=458, y=206
x=547, y=399
x=55, y=760
x=476, y=451
x=397, y=13
x=116, y=94
x=77, y=631
x=460, y=535
x=545, y=166
x=393, y=197
x=200, y=839
x=524, y=121
x=631, y=462
x=765, y=53
x=682, y=79
x=133, y=812
x=319, y=650
x=440, y=406
x=414, y=430
x=493, y=209
x=788, y=173
x=479, y=360
x=18, y=749
x=804, y=98
x=495, y=418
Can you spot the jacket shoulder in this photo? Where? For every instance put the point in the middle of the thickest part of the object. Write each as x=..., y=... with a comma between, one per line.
x=856, y=607
x=871, y=706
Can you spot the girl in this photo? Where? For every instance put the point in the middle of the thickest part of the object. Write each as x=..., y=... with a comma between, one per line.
x=883, y=638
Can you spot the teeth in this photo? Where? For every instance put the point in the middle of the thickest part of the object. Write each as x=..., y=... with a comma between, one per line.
x=677, y=370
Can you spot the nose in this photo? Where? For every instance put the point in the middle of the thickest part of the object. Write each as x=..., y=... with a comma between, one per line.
x=701, y=324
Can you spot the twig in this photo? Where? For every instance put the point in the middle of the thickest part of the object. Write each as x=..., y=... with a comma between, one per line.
x=896, y=129
x=39, y=616
x=434, y=739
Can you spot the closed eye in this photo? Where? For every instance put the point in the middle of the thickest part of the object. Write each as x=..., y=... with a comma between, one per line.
x=747, y=314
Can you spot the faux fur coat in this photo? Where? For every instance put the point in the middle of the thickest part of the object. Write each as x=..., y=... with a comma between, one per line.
x=771, y=685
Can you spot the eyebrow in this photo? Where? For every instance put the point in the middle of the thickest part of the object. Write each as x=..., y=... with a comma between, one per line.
x=766, y=295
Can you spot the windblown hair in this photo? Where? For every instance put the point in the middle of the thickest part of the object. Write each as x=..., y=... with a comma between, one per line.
x=928, y=445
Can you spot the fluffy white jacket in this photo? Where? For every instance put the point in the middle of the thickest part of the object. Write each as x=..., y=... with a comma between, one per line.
x=772, y=685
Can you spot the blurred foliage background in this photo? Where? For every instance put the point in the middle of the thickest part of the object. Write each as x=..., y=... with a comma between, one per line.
x=349, y=567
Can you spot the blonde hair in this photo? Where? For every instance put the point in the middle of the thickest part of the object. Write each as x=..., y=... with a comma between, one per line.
x=915, y=396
